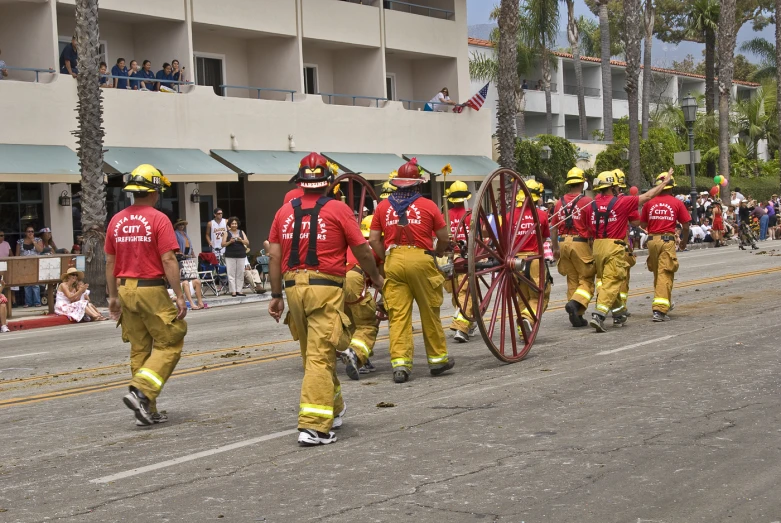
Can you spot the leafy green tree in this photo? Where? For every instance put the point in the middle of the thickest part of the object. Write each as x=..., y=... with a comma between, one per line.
x=553, y=172
x=539, y=26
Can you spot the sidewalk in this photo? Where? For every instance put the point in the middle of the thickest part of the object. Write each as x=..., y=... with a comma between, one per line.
x=694, y=246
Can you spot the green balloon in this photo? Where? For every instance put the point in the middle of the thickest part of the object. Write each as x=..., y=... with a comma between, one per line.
x=717, y=179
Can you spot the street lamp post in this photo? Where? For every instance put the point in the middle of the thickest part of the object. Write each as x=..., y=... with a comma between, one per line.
x=689, y=106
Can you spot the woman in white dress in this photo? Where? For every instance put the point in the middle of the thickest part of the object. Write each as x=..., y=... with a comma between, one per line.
x=73, y=298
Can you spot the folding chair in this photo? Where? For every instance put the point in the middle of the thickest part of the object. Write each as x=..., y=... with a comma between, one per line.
x=212, y=275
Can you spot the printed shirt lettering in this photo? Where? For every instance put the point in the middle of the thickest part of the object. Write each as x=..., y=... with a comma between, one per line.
x=138, y=236
x=424, y=220
x=663, y=213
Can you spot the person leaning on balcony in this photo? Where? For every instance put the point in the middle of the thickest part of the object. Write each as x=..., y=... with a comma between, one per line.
x=164, y=74
x=145, y=75
x=440, y=102
x=104, y=82
x=133, y=71
x=176, y=73
x=69, y=59
x=120, y=70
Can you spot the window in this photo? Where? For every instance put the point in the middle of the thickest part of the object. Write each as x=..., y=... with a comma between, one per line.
x=209, y=71
x=21, y=204
x=310, y=79
x=230, y=198
x=65, y=41
x=390, y=87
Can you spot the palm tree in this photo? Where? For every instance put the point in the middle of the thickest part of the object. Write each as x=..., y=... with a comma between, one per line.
x=754, y=120
x=768, y=67
x=507, y=80
x=633, y=33
x=726, y=38
x=607, y=80
x=703, y=22
x=90, y=147
x=648, y=23
x=589, y=36
x=574, y=42
x=539, y=26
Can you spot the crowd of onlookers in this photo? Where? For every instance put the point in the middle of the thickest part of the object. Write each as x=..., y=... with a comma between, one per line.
x=127, y=76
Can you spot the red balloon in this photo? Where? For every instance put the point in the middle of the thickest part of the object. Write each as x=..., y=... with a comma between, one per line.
x=633, y=191
x=714, y=190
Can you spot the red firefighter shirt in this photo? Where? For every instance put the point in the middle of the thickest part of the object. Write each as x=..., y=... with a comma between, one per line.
x=292, y=194
x=424, y=220
x=455, y=214
x=526, y=238
x=663, y=212
x=335, y=232
x=138, y=235
x=352, y=261
x=560, y=215
x=623, y=211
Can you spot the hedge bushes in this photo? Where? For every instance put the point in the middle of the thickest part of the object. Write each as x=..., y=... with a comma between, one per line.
x=757, y=188
x=552, y=173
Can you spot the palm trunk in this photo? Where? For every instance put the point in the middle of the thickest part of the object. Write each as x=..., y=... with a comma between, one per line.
x=633, y=35
x=710, y=83
x=574, y=42
x=546, y=85
x=726, y=41
x=778, y=77
x=607, y=81
x=507, y=80
x=649, y=42
x=90, y=148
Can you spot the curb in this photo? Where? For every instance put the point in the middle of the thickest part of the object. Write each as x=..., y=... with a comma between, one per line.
x=693, y=247
x=218, y=301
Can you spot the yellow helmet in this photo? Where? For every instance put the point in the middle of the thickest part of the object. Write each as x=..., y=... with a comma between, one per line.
x=366, y=225
x=535, y=188
x=387, y=189
x=604, y=180
x=146, y=178
x=575, y=176
x=620, y=178
x=669, y=185
x=458, y=192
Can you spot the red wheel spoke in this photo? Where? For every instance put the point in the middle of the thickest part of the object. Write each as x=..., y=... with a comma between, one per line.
x=491, y=288
x=495, y=310
x=527, y=305
x=518, y=321
x=362, y=204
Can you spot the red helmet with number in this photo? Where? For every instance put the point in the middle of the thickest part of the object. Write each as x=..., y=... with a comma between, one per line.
x=314, y=171
x=410, y=175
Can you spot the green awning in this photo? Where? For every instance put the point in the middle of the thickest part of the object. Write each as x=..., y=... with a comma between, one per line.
x=372, y=166
x=178, y=165
x=38, y=164
x=465, y=168
x=261, y=166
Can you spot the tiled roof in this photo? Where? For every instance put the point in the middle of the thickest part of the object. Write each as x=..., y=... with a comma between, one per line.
x=618, y=63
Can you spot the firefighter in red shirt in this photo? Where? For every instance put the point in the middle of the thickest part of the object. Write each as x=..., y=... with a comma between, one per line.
x=607, y=219
x=308, y=246
x=361, y=309
x=140, y=256
x=457, y=194
x=526, y=243
x=572, y=249
x=631, y=259
x=408, y=222
x=661, y=215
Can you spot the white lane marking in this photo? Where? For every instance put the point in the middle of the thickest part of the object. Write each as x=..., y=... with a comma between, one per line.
x=702, y=265
x=634, y=345
x=191, y=457
x=22, y=355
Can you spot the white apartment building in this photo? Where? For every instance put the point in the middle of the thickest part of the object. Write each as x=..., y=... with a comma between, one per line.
x=668, y=86
x=274, y=80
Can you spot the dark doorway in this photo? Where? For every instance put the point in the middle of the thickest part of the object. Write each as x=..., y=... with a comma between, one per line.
x=208, y=71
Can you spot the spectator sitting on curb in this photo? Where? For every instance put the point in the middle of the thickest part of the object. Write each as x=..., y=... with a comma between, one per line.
x=192, y=288
x=3, y=308
x=252, y=278
x=73, y=298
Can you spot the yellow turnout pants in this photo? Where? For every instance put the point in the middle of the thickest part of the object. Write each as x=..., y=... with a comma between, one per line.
x=576, y=263
x=530, y=294
x=611, y=264
x=663, y=262
x=156, y=337
x=362, y=312
x=631, y=261
x=316, y=320
x=460, y=323
x=410, y=274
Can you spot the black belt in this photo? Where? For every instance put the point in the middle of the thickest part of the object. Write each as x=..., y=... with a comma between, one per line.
x=145, y=283
x=315, y=281
x=666, y=238
x=574, y=238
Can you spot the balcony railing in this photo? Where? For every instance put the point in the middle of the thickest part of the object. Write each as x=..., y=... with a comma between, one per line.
x=291, y=92
x=434, y=12
x=587, y=91
x=138, y=79
x=554, y=88
x=420, y=104
x=35, y=70
x=354, y=97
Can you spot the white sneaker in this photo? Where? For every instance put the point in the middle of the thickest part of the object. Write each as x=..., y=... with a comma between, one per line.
x=309, y=437
x=473, y=330
x=5, y=328
x=338, y=420
x=460, y=337
x=157, y=417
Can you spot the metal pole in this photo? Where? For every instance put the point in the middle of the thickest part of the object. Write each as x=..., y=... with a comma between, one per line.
x=693, y=195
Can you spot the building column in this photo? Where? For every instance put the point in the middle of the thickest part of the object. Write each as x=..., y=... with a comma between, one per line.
x=191, y=212
x=561, y=121
x=58, y=218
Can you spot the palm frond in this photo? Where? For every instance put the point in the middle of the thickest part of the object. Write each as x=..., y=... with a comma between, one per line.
x=761, y=48
x=483, y=67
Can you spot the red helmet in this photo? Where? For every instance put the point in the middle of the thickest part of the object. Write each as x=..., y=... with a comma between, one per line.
x=410, y=175
x=314, y=171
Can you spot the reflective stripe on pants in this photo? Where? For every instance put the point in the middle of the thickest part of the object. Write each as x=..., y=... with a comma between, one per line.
x=576, y=263
x=611, y=265
x=663, y=263
x=363, y=316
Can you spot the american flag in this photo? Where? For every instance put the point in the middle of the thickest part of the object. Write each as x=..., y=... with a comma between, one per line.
x=476, y=102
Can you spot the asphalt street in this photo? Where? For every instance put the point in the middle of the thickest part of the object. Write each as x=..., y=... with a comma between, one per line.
x=652, y=422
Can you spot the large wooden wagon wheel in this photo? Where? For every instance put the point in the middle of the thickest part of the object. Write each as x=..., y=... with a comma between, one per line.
x=496, y=272
x=460, y=277
x=358, y=194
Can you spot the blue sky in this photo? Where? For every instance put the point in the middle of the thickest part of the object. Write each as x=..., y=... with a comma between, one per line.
x=663, y=54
